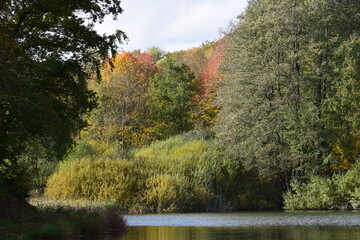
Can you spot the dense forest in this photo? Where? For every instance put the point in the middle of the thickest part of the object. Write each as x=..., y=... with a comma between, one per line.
x=265, y=117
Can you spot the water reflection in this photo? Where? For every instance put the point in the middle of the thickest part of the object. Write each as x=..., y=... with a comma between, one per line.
x=245, y=226
x=241, y=233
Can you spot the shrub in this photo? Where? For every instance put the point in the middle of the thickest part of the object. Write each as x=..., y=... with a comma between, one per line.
x=325, y=192
x=318, y=193
x=100, y=179
x=209, y=171
x=168, y=193
x=349, y=186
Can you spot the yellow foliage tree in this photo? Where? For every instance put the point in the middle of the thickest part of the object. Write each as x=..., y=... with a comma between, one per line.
x=123, y=115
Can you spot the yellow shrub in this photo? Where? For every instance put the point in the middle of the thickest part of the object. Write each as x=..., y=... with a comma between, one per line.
x=168, y=193
x=100, y=179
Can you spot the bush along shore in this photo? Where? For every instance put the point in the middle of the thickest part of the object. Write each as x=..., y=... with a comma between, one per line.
x=45, y=219
x=338, y=192
x=182, y=174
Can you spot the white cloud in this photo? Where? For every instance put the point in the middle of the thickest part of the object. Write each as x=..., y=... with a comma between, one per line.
x=172, y=24
x=201, y=18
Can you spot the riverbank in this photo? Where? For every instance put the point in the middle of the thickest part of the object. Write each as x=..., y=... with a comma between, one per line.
x=47, y=220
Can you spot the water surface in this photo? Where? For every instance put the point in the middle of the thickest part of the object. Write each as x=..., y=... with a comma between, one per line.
x=245, y=226
x=248, y=219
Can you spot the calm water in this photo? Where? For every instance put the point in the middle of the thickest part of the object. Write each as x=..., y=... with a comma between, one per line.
x=246, y=226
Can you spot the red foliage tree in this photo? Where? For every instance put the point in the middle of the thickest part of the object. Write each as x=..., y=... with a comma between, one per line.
x=211, y=76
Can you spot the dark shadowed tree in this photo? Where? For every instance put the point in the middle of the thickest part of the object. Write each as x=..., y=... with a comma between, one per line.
x=48, y=49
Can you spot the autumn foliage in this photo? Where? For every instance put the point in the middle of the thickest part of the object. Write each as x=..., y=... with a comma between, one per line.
x=142, y=100
x=211, y=75
x=208, y=83
x=123, y=114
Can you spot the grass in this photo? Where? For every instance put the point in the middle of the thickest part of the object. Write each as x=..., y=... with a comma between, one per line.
x=60, y=206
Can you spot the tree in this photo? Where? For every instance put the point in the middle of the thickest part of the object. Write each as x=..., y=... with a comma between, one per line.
x=203, y=111
x=281, y=86
x=211, y=78
x=342, y=106
x=211, y=75
x=156, y=52
x=195, y=59
x=333, y=29
x=259, y=98
x=123, y=113
x=171, y=93
x=48, y=50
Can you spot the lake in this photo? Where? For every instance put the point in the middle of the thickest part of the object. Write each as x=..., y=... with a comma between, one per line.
x=247, y=226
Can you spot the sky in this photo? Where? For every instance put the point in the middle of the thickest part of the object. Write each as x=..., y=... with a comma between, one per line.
x=172, y=24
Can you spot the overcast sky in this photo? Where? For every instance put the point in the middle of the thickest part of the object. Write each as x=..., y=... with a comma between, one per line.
x=172, y=24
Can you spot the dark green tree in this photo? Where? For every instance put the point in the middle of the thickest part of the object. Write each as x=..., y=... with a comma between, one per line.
x=48, y=50
x=170, y=92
